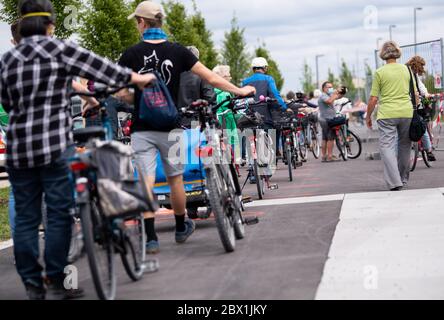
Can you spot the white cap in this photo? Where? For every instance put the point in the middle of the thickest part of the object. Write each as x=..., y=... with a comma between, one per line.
x=259, y=63
x=147, y=9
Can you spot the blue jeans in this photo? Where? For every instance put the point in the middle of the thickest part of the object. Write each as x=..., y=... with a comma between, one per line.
x=11, y=211
x=426, y=142
x=28, y=186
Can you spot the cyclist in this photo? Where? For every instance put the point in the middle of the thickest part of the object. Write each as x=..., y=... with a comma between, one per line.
x=36, y=159
x=193, y=88
x=265, y=86
x=326, y=112
x=417, y=65
x=169, y=59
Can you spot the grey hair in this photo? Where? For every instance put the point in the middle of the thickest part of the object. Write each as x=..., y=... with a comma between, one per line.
x=390, y=50
x=194, y=51
x=221, y=70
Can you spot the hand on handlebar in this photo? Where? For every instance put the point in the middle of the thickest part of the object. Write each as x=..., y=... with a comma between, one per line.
x=289, y=110
x=247, y=91
x=88, y=108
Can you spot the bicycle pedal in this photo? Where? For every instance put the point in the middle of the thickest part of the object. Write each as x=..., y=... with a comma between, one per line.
x=273, y=187
x=251, y=221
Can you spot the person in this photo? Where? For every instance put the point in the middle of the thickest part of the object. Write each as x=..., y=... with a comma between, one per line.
x=170, y=60
x=391, y=89
x=36, y=159
x=326, y=112
x=192, y=87
x=417, y=64
x=265, y=86
x=225, y=115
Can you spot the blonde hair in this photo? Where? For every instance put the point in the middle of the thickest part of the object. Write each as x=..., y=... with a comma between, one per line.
x=390, y=50
x=222, y=70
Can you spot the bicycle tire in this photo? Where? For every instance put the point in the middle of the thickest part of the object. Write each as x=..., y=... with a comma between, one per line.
x=224, y=223
x=358, y=141
x=316, y=148
x=425, y=159
x=290, y=164
x=303, y=152
x=259, y=181
x=105, y=288
x=414, y=156
x=134, y=255
x=341, y=145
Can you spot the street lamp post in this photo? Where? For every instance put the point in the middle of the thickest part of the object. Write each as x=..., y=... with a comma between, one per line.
x=390, y=30
x=317, y=69
x=414, y=24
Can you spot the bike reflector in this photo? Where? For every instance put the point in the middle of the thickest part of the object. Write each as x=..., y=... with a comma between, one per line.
x=78, y=166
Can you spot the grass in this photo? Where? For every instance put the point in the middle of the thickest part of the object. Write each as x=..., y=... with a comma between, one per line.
x=5, y=232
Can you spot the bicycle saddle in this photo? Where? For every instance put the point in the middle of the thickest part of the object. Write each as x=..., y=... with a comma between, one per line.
x=84, y=134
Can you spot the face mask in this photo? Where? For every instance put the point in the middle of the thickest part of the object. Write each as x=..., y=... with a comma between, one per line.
x=331, y=91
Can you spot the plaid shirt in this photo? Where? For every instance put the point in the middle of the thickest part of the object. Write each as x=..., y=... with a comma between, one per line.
x=35, y=82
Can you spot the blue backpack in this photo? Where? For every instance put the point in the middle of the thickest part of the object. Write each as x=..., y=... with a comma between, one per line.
x=156, y=108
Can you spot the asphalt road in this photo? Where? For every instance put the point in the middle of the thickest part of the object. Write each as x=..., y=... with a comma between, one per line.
x=282, y=257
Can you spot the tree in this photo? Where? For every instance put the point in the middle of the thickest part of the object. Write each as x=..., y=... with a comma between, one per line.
x=273, y=68
x=190, y=30
x=346, y=78
x=104, y=35
x=66, y=14
x=234, y=52
x=307, y=78
x=332, y=78
x=208, y=54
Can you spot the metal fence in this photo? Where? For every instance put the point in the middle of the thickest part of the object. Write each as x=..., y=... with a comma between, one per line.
x=432, y=52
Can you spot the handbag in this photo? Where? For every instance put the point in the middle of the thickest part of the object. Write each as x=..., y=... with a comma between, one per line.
x=417, y=126
x=337, y=121
x=157, y=108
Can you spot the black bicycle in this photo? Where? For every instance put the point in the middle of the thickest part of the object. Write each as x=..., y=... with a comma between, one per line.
x=108, y=224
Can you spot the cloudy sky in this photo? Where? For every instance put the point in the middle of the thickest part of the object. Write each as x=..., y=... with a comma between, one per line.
x=297, y=30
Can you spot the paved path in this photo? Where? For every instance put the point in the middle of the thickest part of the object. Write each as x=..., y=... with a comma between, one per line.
x=323, y=236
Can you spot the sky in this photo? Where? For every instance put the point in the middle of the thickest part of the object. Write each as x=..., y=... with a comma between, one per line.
x=297, y=31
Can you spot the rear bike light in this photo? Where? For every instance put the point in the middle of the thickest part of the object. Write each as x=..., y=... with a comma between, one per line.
x=78, y=166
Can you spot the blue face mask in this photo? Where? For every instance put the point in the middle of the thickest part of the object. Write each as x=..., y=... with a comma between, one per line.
x=331, y=91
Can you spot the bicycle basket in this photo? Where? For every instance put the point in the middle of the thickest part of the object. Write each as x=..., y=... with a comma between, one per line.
x=250, y=120
x=119, y=190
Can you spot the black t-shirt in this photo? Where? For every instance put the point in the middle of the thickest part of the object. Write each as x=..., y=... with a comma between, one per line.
x=167, y=58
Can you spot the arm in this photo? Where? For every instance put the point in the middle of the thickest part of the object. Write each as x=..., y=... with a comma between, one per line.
x=422, y=88
x=373, y=101
x=274, y=91
x=77, y=86
x=219, y=82
x=335, y=96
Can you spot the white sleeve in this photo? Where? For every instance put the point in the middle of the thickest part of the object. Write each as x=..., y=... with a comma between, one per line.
x=422, y=88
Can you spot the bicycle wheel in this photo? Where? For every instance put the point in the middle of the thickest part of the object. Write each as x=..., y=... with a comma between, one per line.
x=259, y=181
x=290, y=164
x=303, y=151
x=426, y=159
x=220, y=197
x=414, y=156
x=100, y=250
x=340, y=143
x=315, y=145
x=354, y=146
x=133, y=257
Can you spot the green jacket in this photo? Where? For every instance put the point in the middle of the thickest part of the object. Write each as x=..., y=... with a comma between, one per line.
x=4, y=117
x=226, y=117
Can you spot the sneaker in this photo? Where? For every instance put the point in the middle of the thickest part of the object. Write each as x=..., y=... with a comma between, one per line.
x=396, y=189
x=35, y=292
x=57, y=291
x=431, y=157
x=152, y=247
x=181, y=237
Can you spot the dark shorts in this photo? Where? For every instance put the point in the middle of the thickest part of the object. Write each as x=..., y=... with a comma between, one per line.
x=327, y=133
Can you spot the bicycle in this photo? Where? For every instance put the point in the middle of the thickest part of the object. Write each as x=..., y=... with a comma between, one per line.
x=222, y=193
x=348, y=143
x=290, y=154
x=106, y=232
x=253, y=121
